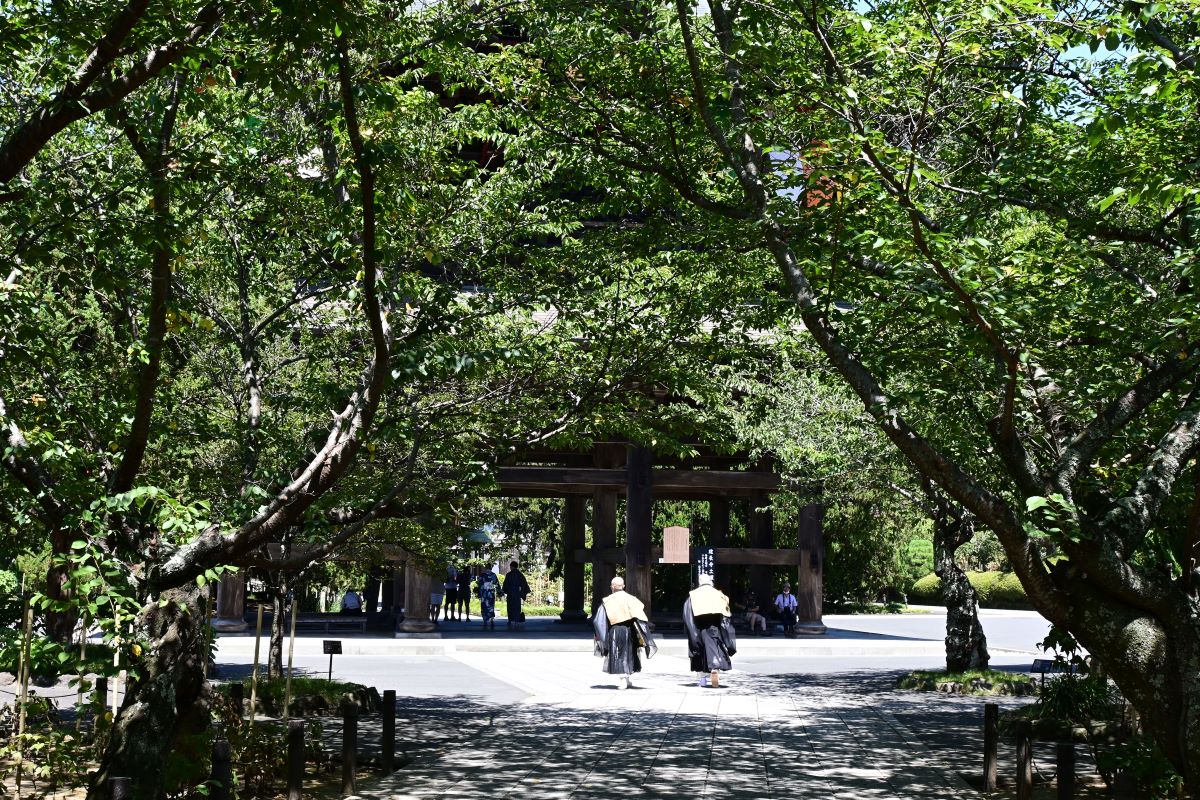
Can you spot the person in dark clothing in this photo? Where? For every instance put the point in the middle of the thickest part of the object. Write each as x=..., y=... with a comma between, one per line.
x=754, y=616
x=464, y=594
x=486, y=587
x=450, y=591
x=622, y=629
x=515, y=589
x=711, y=640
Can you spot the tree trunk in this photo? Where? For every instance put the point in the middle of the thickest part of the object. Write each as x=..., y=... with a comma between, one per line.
x=966, y=645
x=168, y=696
x=279, y=609
x=1155, y=662
x=60, y=625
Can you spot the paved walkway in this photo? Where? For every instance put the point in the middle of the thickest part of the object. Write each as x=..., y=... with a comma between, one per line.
x=531, y=716
x=577, y=736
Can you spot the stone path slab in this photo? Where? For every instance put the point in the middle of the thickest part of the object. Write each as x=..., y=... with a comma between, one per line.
x=762, y=737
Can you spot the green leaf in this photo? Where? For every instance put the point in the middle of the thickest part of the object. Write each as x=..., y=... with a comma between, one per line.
x=1112, y=198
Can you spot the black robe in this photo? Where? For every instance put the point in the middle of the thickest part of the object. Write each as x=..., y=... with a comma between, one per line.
x=619, y=644
x=711, y=640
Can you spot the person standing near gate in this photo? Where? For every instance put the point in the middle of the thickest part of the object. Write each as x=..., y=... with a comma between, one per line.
x=464, y=593
x=711, y=640
x=622, y=628
x=516, y=589
x=785, y=606
x=450, y=592
x=487, y=585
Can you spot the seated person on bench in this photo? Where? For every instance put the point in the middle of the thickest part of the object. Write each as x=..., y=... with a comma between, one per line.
x=351, y=603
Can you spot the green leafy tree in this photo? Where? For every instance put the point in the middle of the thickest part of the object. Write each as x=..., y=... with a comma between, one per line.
x=991, y=241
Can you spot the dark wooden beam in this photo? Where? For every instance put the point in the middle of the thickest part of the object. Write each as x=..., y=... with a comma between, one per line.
x=663, y=480
x=556, y=476
x=756, y=556
x=604, y=536
x=573, y=490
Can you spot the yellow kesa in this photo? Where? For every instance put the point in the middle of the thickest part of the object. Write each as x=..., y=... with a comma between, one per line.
x=709, y=600
x=621, y=607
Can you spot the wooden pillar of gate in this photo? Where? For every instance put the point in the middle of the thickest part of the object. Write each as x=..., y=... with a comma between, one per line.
x=639, y=502
x=718, y=520
x=231, y=603
x=809, y=588
x=604, y=521
x=573, y=524
x=417, y=586
x=762, y=535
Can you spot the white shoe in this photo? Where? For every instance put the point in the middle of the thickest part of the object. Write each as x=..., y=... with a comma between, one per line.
x=703, y=681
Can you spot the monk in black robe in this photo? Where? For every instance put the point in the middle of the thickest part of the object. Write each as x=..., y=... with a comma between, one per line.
x=622, y=629
x=711, y=640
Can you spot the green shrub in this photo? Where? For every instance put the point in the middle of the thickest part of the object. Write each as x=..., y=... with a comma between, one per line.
x=919, y=557
x=985, y=586
x=926, y=591
x=988, y=682
x=10, y=600
x=994, y=590
x=1010, y=593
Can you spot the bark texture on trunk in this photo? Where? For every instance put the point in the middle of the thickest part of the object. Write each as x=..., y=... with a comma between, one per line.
x=966, y=644
x=168, y=696
x=60, y=625
x=278, y=631
x=1156, y=665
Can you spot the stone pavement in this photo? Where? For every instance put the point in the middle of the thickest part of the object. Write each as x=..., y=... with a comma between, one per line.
x=530, y=715
x=577, y=736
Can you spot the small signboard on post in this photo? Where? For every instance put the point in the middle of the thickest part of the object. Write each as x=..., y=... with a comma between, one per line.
x=705, y=561
x=331, y=647
x=676, y=543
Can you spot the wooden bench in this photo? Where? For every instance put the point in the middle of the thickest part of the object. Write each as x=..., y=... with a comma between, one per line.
x=332, y=624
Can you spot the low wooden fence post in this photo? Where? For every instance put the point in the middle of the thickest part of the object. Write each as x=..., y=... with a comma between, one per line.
x=349, y=747
x=222, y=770
x=100, y=695
x=1024, y=761
x=388, y=757
x=295, y=758
x=120, y=789
x=991, y=738
x=237, y=693
x=1066, y=771
x=1124, y=786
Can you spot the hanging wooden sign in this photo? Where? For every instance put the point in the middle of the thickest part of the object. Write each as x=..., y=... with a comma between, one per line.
x=676, y=545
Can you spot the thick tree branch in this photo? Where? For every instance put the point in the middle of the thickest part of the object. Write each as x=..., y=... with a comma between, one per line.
x=156, y=164
x=1120, y=412
x=928, y=460
x=107, y=49
x=350, y=425
x=30, y=473
x=73, y=103
x=1133, y=514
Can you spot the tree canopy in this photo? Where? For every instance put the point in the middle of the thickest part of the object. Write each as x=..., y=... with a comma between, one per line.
x=276, y=272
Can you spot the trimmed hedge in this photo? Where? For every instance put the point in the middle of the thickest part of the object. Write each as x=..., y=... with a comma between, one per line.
x=994, y=589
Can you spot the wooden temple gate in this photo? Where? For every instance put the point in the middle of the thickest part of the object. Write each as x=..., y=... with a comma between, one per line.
x=620, y=469
x=610, y=471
